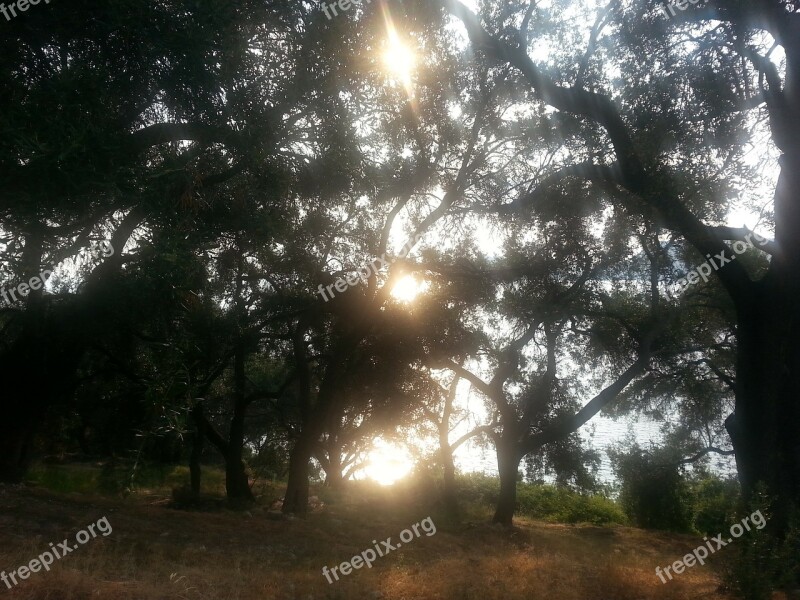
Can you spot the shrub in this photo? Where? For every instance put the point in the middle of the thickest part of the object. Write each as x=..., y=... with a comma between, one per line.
x=562, y=505
x=543, y=501
x=714, y=505
x=655, y=494
x=764, y=562
x=63, y=479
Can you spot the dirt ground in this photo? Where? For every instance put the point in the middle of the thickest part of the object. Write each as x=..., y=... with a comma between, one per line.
x=158, y=552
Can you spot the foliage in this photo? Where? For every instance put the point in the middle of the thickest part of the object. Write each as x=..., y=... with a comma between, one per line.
x=654, y=492
x=553, y=503
x=763, y=562
x=657, y=492
x=113, y=479
x=715, y=503
x=562, y=505
x=75, y=479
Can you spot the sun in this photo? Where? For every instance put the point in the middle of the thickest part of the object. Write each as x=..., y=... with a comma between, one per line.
x=399, y=59
x=406, y=289
x=388, y=463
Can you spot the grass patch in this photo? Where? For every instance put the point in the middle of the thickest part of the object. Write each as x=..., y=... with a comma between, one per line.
x=155, y=552
x=120, y=478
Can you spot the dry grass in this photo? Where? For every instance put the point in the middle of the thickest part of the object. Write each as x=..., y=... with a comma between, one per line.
x=156, y=553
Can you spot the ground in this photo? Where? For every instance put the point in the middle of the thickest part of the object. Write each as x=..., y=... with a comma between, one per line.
x=157, y=552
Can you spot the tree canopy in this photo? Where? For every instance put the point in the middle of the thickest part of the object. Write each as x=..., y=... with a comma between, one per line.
x=554, y=184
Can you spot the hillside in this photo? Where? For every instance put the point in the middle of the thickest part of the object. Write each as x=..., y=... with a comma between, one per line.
x=155, y=551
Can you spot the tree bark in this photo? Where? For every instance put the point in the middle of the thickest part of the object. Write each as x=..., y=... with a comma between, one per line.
x=14, y=444
x=450, y=492
x=296, y=499
x=198, y=442
x=508, y=458
x=764, y=426
x=333, y=472
x=237, y=485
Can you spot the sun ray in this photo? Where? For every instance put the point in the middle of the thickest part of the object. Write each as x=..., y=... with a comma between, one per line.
x=388, y=463
x=398, y=57
x=406, y=289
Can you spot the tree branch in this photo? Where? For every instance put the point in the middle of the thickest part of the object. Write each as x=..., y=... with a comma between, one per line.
x=705, y=451
x=162, y=133
x=653, y=188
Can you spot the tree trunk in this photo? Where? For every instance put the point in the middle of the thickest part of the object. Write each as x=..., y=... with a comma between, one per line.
x=29, y=360
x=765, y=428
x=296, y=499
x=449, y=493
x=315, y=418
x=508, y=458
x=237, y=485
x=198, y=441
x=14, y=444
x=333, y=472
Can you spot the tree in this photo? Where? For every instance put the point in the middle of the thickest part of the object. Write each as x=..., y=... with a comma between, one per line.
x=632, y=166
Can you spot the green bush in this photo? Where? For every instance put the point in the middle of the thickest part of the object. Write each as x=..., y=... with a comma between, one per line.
x=113, y=478
x=655, y=493
x=764, y=562
x=542, y=501
x=478, y=489
x=562, y=505
x=714, y=504
x=80, y=479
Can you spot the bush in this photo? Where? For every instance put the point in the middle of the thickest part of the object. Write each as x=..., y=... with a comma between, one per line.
x=763, y=562
x=714, y=504
x=478, y=489
x=543, y=501
x=81, y=479
x=115, y=478
x=655, y=494
x=562, y=505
